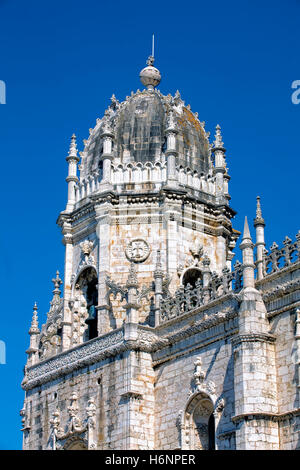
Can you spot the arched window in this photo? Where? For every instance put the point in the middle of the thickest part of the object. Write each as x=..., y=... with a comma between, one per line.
x=100, y=170
x=192, y=276
x=198, y=429
x=86, y=294
x=92, y=302
x=75, y=443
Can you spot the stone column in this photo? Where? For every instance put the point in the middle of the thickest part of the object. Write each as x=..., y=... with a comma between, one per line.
x=297, y=338
x=255, y=382
x=248, y=262
x=136, y=406
x=33, y=351
x=158, y=282
x=171, y=229
x=107, y=156
x=221, y=250
x=259, y=225
x=132, y=306
x=206, y=273
x=72, y=178
x=171, y=152
x=103, y=233
x=220, y=165
x=67, y=314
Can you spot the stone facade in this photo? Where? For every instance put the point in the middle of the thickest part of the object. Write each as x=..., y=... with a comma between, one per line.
x=158, y=342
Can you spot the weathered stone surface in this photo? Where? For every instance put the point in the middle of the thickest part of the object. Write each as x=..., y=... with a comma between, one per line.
x=157, y=342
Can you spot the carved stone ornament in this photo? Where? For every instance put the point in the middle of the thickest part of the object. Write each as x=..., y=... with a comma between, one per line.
x=137, y=250
x=200, y=384
x=86, y=247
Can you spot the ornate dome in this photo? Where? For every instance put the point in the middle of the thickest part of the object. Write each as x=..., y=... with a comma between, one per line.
x=138, y=125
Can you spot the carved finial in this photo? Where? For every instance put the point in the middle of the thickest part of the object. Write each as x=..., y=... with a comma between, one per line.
x=259, y=219
x=113, y=100
x=57, y=283
x=107, y=127
x=218, y=138
x=171, y=122
x=258, y=207
x=34, y=328
x=158, y=268
x=73, y=147
x=132, y=280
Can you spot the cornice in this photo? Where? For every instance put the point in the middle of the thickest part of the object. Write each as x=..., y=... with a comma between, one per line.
x=112, y=344
x=267, y=416
x=253, y=337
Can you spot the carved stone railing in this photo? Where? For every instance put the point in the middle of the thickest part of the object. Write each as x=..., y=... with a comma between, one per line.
x=138, y=173
x=192, y=179
x=73, y=359
x=188, y=298
x=279, y=258
x=87, y=186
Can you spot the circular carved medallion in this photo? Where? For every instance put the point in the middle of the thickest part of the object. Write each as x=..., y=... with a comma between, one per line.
x=137, y=250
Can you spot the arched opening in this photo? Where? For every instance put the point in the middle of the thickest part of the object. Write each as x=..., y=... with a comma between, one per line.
x=192, y=276
x=75, y=443
x=92, y=302
x=199, y=423
x=100, y=170
x=86, y=294
x=211, y=432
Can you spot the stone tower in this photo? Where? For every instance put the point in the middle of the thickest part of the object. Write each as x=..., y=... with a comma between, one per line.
x=150, y=346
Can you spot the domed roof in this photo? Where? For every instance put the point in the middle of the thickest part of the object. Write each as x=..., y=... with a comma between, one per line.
x=138, y=125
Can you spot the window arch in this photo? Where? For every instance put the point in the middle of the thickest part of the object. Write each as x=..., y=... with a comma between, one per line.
x=75, y=443
x=198, y=426
x=85, y=308
x=192, y=276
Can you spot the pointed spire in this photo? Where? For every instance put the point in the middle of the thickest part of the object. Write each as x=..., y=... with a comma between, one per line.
x=246, y=234
x=34, y=328
x=218, y=138
x=259, y=218
x=73, y=147
x=248, y=262
x=258, y=207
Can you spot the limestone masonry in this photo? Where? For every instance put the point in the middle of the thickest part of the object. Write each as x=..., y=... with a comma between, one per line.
x=158, y=342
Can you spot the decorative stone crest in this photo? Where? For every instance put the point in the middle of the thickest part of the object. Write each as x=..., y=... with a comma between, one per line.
x=199, y=380
x=91, y=423
x=137, y=250
x=196, y=251
x=74, y=424
x=86, y=247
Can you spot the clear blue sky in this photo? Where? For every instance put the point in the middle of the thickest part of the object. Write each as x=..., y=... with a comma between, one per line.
x=233, y=61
